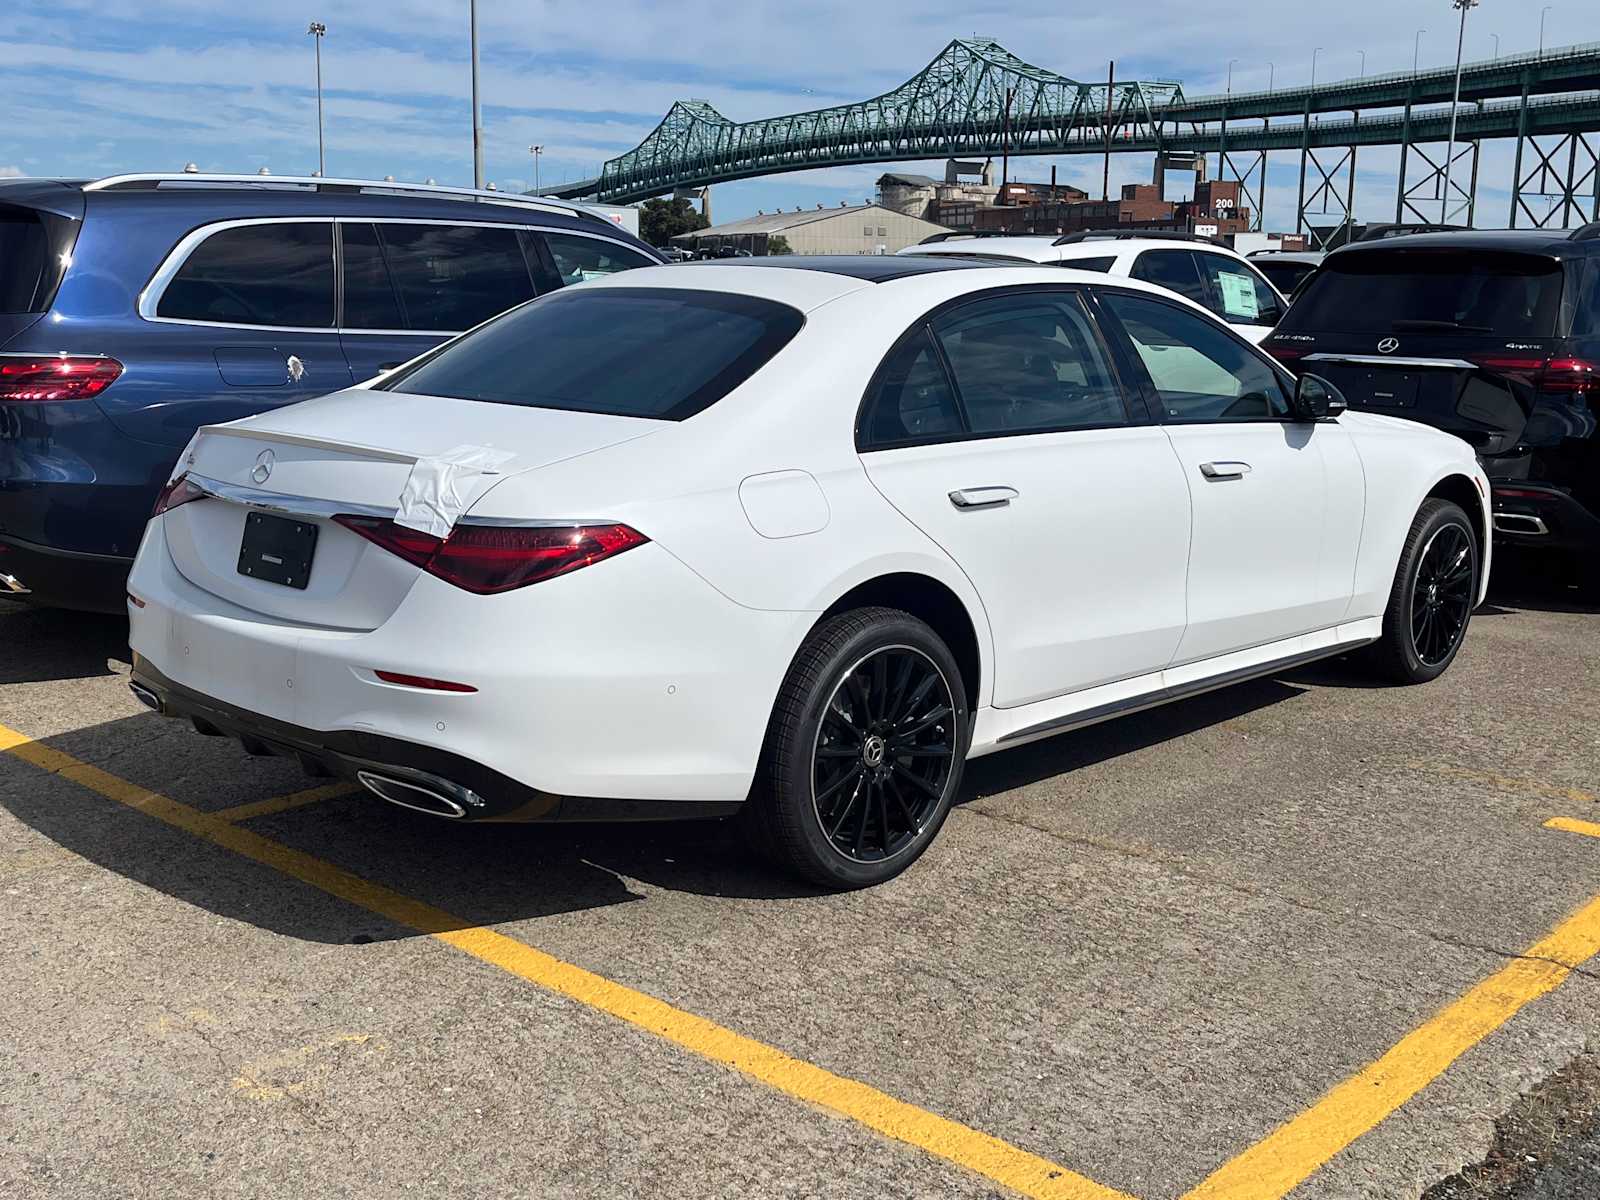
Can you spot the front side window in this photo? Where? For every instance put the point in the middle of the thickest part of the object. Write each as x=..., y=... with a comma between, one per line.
x=1201, y=372
x=663, y=353
x=1029, y=362
x=277, y=273
x=580, y=258
x=1237, y=293
x=1173, y=270
x=451, y=277
x=911, y=399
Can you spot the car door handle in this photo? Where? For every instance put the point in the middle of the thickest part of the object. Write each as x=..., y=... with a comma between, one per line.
x=1225, y=470
x=983, y=497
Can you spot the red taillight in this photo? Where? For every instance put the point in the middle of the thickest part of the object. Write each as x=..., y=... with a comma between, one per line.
x=423, y=681
x=493, y=558
x=55, y=377
x=1564, y=375
x=178, y=491
x=1286, y=354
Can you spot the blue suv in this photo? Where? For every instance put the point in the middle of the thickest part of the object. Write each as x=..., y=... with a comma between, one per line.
x=137, y=308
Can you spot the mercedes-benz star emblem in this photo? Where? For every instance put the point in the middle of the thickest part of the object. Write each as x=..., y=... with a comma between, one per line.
x=873, y=750
x=1388, y=345
x=262, y=471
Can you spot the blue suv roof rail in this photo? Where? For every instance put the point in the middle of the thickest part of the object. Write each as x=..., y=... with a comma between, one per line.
x=321, y=184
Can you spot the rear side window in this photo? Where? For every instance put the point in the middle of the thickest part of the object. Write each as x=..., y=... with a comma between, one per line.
x=581, y=258
x=278, y=273
x=24, y=255
x=1442, y=291
x=1173, y=270
x=911, y=399
x=664, y=353
x=451, y=277
x=370, y=301
x=1027, y=363
x=1237, y=294
x=1089, y=264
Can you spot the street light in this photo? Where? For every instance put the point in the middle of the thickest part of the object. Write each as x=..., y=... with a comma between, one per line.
x=1272, y=75
x=1496, y=38
x=477, y=112
x=536, y=151
x=1363, y=54
x=1542, y=13
x=1465, y=6
x=1231, y=61
x=316, y=29
x=1416, y=49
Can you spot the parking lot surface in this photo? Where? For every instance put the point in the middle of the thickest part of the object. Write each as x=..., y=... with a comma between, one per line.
x=1156, y=958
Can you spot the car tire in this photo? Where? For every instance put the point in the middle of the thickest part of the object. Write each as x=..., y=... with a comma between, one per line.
x=1435, y=590
x=864, y=751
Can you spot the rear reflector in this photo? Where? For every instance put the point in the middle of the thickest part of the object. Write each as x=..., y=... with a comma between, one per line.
x=54, y=378
x=1285, y=354
x=178, y=491
x=497, y=558
x=423, y=681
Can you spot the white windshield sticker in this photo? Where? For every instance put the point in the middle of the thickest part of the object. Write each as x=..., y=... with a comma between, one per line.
x=1238, y=294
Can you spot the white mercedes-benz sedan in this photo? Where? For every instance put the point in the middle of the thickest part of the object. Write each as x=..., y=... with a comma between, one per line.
x=792, y=538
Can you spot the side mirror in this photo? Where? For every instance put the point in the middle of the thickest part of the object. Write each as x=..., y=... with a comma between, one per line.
x=1315, y=399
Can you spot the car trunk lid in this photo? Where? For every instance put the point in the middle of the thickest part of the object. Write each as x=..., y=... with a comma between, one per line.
x=280, y=479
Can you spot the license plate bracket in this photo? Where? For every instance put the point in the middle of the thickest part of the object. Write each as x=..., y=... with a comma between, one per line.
x=277, y=549
x=1391, y=389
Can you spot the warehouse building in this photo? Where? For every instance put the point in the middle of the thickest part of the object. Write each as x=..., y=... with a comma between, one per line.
x=848, y=229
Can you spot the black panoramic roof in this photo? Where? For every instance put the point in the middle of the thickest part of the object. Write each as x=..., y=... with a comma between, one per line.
x=874, y=268
x=1554, y=242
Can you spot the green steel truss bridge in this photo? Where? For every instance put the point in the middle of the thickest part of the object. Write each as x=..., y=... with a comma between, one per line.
x=978, y=99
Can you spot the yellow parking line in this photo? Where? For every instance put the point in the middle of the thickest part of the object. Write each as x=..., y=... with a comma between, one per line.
x=1277, y=1164
x=1505, y=783
x=989, y=1156
x=278, y=804
x=1571, y=825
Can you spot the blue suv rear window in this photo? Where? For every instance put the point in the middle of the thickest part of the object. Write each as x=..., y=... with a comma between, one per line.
x=276, y=273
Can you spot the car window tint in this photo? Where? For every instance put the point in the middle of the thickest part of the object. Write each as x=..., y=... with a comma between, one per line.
x=579, y=258
x=278, y=273
x=911, y=400
x=1173, y=270
x=1200, y=372
x=24, y=248
x=1089, y=264
x=1029, y=362
x=452, y=277
x=1285, y=276
x=1238, y=295
x=664, y=353
x=370, y=301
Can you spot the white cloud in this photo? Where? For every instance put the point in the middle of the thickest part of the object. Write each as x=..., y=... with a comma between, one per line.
x=11, y=172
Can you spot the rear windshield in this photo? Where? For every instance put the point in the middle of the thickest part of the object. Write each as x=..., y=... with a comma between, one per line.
x=1432, y=291
x=664, y=353
x=1285, y=276
x=24, y=255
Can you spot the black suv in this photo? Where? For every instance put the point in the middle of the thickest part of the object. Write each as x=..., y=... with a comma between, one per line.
x=1491, y=335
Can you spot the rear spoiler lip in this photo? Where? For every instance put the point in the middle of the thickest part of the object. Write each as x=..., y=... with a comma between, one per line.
x=260, y=433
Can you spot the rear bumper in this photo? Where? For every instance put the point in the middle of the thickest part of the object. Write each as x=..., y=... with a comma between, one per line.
x=468, y=790
x=1539, y=516
x=56, y=578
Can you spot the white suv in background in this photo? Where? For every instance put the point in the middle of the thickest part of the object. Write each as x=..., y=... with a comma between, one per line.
x=1195, y=267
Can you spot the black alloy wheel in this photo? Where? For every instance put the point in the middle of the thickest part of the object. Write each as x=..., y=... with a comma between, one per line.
x=884, y=753
x=864, y=750
x=1442, y=596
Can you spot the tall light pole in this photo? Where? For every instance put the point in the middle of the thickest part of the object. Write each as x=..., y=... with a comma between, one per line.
x=477, y=112
x=1542, y=12
x=1496, y=38
x=1416, y=49
x=316, y=29
x=1231, y=61
x=1272, y=76
x=536, y=151
x=1465, y=6
x=1314, y=54
x=1363, y=54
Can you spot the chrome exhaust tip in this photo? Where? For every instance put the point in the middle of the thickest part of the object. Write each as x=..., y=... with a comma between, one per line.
x=415, y=796
x=1523, y=523
x=145, y=696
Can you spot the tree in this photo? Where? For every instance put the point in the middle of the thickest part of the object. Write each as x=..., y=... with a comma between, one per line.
x=778, y=244
x=662, y=220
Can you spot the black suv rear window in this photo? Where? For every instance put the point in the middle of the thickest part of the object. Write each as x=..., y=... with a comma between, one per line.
x=24, y=252
x=1440, y=291
x=665, y=353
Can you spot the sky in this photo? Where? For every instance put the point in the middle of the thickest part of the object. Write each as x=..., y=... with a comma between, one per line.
x=97, y=87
